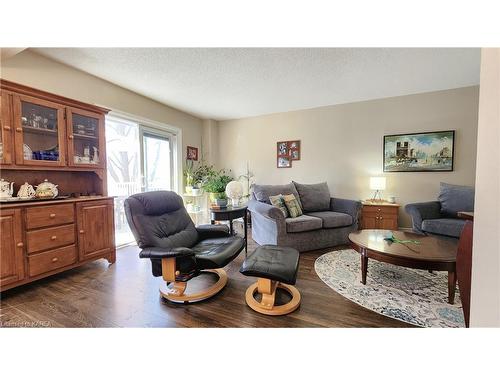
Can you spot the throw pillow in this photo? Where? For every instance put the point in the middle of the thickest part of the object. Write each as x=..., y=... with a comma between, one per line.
x=454, y=198
x=314, y=197
x=277, y=201
x=293, y=206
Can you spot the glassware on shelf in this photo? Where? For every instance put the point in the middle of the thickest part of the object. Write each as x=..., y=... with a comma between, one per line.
x=40, y=135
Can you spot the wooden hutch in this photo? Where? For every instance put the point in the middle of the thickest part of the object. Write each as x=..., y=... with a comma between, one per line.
x=46, y=136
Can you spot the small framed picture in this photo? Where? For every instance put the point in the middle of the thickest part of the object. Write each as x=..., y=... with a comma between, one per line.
x=284, y=162
x=294, y=149
x=282, y=148
x=192, y=153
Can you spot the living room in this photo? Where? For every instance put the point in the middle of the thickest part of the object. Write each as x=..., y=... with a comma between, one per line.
x=249, y=187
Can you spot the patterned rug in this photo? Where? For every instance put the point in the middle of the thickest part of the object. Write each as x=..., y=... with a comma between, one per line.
x=413, y=296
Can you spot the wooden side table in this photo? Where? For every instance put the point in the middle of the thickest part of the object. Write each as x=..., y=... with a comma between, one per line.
x=229, y=214
x=379, y=215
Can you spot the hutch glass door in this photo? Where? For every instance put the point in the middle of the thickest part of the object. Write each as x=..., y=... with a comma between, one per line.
x=39, y=132
x=85, y=131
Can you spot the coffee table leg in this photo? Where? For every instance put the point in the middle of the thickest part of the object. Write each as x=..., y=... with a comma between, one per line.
x=364, y=266
x=452, y=282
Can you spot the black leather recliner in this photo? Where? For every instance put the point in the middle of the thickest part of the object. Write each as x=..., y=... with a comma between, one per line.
x=177, y=249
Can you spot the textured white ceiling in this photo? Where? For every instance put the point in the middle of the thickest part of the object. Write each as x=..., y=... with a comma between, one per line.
x=228, y=83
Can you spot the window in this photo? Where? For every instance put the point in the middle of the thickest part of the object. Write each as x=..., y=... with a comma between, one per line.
x=139, y=158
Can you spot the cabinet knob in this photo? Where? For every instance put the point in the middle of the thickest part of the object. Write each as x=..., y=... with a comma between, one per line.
x=378, y=209
x=52, y=216
x=55, y=259
x=380, y=217
x=71, y=137
x=19, y=130
x=6, y=128
x=20, y=244
x=53, y=238
x=82, y=231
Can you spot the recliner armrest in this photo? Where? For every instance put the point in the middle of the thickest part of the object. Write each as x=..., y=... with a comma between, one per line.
x=346, y=206
x=212, y=231
x=160, y=253
x=423, y=211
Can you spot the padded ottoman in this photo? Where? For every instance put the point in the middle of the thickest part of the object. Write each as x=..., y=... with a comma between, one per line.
x=275, y=267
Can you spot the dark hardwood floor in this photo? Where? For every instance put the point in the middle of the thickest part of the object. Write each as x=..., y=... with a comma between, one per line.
x=125, y=294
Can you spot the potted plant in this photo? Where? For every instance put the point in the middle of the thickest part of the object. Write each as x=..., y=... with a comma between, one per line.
x=189, y=175
x=200, y=174
x=215, y=184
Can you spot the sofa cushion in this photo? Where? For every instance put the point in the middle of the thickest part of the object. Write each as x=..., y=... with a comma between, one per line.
x=314, y=197
x=278, y=201
x=302, y=223
x=263, y=192
x=445, y=227
x=292, y=205
x=455, y=198
x=332, y=219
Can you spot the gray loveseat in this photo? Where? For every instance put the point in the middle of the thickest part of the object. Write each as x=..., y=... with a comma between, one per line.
x=440, y=217
x=326, y=221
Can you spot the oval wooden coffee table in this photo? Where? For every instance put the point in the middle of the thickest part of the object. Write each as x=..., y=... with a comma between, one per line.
x=431, y=253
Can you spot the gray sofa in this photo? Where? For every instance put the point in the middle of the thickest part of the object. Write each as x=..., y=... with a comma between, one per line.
x=440, y=217
x=326, y=221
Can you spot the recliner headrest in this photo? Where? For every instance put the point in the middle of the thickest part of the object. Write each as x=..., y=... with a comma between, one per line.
x=158, y=202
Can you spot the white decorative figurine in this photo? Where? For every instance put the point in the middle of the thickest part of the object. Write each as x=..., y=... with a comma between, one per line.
x=234, y=190
x=95, y=158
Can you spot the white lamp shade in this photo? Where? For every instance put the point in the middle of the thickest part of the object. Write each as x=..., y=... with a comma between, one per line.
x=234, y=190
x=377, y=183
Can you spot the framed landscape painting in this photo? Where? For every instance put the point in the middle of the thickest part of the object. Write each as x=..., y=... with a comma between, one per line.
x=419, y=152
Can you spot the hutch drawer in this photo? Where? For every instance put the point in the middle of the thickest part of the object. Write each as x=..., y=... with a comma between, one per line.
x=49, y=238
x=51, y=260
x=57, y=214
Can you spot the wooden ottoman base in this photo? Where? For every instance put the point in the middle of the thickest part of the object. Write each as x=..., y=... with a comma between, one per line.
x=267, y=288
x=174, y=291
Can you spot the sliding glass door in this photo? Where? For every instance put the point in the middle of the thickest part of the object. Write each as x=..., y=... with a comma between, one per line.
x=157, y=160
x=139, y=159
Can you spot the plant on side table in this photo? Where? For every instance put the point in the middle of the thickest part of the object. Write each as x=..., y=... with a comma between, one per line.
x=215, y=184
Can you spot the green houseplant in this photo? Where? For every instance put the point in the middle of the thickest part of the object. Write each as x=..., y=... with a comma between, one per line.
x=189, y=175
x=215, y=184
x=196, y=174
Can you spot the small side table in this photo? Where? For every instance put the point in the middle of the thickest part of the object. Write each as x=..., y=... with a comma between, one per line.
x=379, y=215
x=229, y=214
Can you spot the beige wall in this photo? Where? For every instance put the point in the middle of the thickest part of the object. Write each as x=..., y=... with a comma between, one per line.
x=342, y=144
x=210, y=139
x=34, y=70
x=485, y=291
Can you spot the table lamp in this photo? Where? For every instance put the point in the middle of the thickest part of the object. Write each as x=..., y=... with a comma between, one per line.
x=377, y=184
x=234, y=190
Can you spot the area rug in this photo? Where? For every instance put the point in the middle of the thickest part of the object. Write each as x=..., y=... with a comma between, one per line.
x=412, y=296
